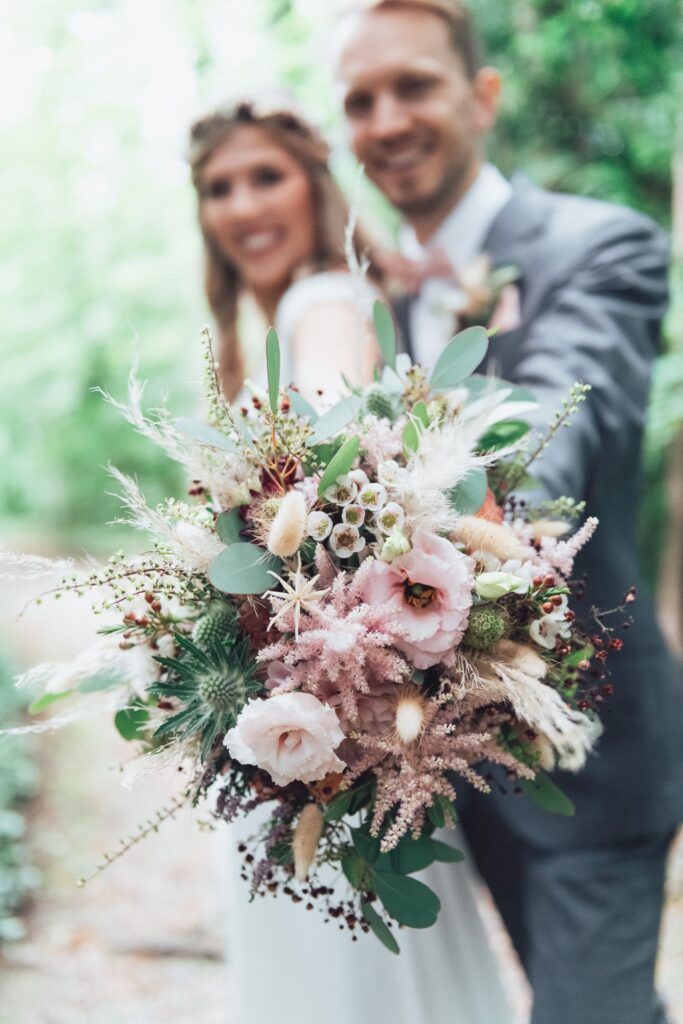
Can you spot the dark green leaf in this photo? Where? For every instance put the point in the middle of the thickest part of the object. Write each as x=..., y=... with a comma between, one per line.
x=40, y=703
x=446, y=853
x=355, y=869
x=408, y=901
x=243, y=569
x=228, y=526
x=365, y=845
x=199, y=431
x=460, y=358
x=380, y=929
x=469, y=495
x=131, y=722
x=339, y=805
x=332, y=422
x=442, y=812
x=386, y=333
x=502, y=434
x=273, y=367
x=412, y=854
x=340, y=464
x=547, y=795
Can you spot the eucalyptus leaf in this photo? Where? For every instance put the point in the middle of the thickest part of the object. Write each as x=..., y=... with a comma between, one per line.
x=301, y=406
x=202, y=432
x=273, y=367
x=228, y=526
x=407, y=900
x=411, y=438
x=40, y=703
x=366, y=846
x=386, y=333
x=469, y=495
x=460, y=358
x=502, y=434
x=339, y=464
x=547, y=795
x=419, y=411
x=335, y=419
x=380, y=929
x=243, y=568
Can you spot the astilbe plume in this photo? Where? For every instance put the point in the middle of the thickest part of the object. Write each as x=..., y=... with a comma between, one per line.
x=410, y=777
x=339, y=649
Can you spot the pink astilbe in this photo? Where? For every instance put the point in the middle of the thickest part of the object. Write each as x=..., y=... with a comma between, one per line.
x=410, y=777
x=341, y=649
x=561, y=553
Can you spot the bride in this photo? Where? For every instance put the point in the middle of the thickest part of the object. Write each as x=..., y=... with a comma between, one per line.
x=273, y=224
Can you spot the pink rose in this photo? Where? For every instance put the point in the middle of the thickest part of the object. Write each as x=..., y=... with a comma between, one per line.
x=290, y=736
x=429, y=593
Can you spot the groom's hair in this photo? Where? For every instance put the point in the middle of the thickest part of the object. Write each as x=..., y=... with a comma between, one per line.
x=463, y=35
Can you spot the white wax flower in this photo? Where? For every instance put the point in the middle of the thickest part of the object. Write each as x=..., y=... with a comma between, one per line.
x=345, y=540
x=391, y=517
x=372, y=497
x=318, y=525
x=343, y=491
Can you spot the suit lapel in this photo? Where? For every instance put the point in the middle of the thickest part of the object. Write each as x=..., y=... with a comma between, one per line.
x=520, y=221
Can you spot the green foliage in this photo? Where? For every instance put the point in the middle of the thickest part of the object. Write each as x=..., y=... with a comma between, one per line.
x=243, y=568
x=386, y=333
x=460, y=358
x=548, y=795
x=469, y=495
x=340, y=464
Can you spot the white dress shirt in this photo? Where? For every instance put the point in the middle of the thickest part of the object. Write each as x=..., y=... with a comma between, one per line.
x=461, y=236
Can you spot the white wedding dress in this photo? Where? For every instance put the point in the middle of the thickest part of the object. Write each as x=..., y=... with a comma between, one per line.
x=289, y=967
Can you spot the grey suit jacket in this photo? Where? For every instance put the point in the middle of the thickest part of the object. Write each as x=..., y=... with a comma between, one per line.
x=593, y=292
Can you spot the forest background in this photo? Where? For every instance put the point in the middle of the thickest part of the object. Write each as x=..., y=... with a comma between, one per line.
x=101, y=253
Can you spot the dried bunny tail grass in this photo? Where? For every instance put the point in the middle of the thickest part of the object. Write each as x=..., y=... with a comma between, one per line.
x=307, y=835
x=512, y=675
x=540, y=528
x=483, y=535
x=15, y=565
x=287, y=529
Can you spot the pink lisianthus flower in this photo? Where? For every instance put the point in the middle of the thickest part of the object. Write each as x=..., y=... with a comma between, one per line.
x=428, y=592
x=292, y=736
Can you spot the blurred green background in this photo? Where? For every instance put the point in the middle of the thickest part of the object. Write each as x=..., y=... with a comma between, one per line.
x=101, y=251
x=98, y=224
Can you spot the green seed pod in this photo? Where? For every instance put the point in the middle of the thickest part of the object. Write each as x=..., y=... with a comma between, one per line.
x=378, y=402
x=488, y=624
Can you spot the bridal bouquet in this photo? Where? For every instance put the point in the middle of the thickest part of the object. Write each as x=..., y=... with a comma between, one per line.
x=351, y=615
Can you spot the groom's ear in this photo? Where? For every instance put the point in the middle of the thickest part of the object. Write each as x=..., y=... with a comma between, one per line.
x=486, y=87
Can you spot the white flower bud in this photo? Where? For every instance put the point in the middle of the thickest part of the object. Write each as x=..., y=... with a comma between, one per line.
x=396, y=544
x=343, y=491
x=346, y=540
x=492, y=585
x=318, y=525
x=372, y=497
x=391, y=517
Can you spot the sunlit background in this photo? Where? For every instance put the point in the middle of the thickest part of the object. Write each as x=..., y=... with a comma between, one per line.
x=100, y=255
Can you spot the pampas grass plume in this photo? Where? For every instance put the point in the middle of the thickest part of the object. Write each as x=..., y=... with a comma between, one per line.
x=483, y=535
x=521, y=657
x=307, y=834
x=287, y=530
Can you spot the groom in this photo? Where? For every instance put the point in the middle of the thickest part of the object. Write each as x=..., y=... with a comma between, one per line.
x=581, y=896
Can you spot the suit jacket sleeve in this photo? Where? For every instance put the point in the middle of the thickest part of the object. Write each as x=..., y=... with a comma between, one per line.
x=600, y=324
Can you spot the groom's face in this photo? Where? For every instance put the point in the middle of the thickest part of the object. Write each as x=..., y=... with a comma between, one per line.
x=415, y=119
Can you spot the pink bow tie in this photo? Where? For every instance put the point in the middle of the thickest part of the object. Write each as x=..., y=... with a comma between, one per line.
x=411, y=274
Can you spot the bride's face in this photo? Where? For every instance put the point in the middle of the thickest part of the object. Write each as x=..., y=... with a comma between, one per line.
x=257, y=208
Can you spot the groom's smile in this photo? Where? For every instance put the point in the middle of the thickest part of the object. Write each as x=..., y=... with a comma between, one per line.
x=415, y=117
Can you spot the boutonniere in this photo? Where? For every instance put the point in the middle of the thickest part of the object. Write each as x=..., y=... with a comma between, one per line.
x=485, y=296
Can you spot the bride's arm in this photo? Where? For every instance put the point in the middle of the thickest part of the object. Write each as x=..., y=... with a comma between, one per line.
x=331, y=339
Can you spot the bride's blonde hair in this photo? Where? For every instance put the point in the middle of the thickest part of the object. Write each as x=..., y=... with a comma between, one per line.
x=330, y=212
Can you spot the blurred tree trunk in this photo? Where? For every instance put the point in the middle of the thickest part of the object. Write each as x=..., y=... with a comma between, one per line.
x=671, y=578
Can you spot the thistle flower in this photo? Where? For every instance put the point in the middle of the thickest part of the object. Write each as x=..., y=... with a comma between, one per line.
x=307, y=834
x=287, y=530
x=318, y=525
x=346, y=540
